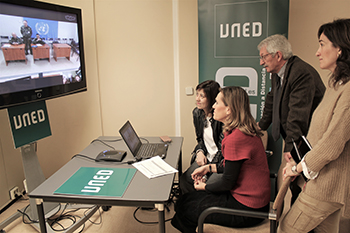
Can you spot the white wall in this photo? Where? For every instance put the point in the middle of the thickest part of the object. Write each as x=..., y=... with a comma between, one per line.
x=75, y=120
x=132, y=73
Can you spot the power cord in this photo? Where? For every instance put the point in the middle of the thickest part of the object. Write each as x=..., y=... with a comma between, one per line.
x=24, y=214
x=143, y=222
x=54, y=222
x=175, y=193
x=96, y=160
x=103, y=142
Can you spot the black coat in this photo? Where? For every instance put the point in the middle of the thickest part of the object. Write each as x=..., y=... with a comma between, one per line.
x=302, y=91
x=198, y=122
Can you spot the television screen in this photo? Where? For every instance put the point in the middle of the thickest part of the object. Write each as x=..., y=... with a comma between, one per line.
x=42, y=52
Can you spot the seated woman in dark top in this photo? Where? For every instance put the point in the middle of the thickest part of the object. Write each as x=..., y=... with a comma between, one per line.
x=208, y=133
x=245, y=183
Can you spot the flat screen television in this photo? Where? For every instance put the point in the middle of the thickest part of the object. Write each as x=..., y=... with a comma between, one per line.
x=38, y=69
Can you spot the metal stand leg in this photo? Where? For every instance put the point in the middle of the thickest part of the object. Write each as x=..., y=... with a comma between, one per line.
x=161, y=217
x=34, y=177
x=41, y=215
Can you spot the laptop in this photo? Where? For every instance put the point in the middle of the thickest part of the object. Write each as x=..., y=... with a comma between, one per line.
x=138, y=149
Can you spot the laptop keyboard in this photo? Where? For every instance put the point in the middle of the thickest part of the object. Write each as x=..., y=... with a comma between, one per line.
x=147, y=150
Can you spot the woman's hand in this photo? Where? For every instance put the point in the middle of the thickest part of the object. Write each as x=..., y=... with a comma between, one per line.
x=201, y=159
x=198, y=174
x=199, y=185
x=287, y=170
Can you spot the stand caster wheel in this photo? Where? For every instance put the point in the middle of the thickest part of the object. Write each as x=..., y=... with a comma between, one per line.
x=106, y=208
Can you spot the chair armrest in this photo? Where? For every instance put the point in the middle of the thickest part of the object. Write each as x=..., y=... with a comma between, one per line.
x=279, y=200
x=222, y=210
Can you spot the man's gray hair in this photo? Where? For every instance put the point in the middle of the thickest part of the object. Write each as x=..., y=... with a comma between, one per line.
x=276, y=43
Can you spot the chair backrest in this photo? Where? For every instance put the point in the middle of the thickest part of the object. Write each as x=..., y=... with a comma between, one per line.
x=277, y=206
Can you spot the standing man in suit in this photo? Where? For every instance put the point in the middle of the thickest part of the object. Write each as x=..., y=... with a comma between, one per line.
x=296, y=91
x=27, y=36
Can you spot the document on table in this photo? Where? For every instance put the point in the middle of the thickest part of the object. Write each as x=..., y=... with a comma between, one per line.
x=154, y=167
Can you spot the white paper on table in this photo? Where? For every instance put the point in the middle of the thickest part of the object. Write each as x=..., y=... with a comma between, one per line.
x=154, y=167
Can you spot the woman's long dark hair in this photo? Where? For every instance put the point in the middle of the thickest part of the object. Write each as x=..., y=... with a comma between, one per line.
x=338, y=32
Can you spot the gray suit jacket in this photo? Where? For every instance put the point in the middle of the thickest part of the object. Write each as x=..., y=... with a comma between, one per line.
x=302, y=91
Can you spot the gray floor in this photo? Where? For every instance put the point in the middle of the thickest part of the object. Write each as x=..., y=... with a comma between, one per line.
x=120, y=219
x=116, y=219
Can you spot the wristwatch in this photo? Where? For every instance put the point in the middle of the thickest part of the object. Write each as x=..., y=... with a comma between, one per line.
x=294, y=170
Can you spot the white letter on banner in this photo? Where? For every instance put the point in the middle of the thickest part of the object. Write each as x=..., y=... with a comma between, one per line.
x=17, y=126
x=93, y=189
x=101, y=177
x=104, y=172
x=222, y=35
x=257, y=29
x=96, y=182
x=249, y=72
x=33, y=115
x=24, y=116
x=237, y=26
x=246, y=29
x=41, y=115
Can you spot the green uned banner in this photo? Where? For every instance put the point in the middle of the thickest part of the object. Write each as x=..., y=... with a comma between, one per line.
x=229, y=33
x=97, y=181
x=29, y=123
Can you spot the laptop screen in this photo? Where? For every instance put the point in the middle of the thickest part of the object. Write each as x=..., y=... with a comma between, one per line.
x=130, y=137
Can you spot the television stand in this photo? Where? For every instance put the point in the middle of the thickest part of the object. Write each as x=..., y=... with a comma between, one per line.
x=34, y=177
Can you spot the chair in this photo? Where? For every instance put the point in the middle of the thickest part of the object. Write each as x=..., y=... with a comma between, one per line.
x=276, y=205
x=273, y=215
x=4, y=40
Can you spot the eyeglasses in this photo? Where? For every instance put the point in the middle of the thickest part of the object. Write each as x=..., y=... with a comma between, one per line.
x=263, y=57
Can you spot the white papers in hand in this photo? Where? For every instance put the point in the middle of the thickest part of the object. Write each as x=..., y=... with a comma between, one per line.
x=154, y=167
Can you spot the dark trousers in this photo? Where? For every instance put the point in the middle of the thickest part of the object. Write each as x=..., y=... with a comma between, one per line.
x=191, y=205
x=27, y=45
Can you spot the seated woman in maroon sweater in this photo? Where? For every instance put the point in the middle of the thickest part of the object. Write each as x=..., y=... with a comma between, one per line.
x=245, y=183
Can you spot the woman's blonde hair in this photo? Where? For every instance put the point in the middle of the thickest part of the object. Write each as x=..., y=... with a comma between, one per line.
x=238, y=101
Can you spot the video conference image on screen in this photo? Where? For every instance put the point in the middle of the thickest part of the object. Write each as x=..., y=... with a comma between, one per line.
x=38, y=48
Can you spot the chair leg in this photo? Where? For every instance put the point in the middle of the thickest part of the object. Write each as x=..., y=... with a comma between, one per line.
x=273, y=226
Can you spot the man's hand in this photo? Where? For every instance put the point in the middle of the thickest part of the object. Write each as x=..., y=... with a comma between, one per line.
x=258, y=125
x=287, y=156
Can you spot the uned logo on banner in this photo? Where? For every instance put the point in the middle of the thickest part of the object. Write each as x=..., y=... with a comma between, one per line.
x=98, y=181
x=234, y=30
x=237, y=33
x=27, y=118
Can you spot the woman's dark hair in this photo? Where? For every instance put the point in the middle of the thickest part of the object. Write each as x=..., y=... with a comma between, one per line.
x=338, y=32
x=211, y=89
